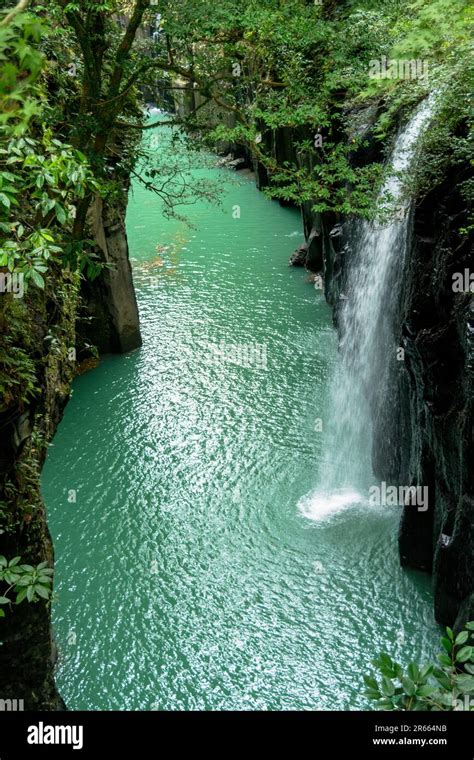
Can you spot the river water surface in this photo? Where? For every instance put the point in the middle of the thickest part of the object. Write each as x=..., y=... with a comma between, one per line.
x=188, y=574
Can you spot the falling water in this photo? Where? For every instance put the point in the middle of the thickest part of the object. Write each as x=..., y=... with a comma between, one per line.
x=368, y=345
x=184, y=578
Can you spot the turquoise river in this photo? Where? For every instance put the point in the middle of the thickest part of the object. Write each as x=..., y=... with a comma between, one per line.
x=189, y=575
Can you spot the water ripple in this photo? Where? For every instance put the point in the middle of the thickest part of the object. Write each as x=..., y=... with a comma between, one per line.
x=187, y=577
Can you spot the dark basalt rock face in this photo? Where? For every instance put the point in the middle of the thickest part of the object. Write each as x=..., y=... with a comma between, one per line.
x=435, y=391
x=28, y=652
x=299, y=256
x=423, y=433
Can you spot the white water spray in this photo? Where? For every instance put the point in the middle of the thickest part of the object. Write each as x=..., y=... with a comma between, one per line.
x=368, y=345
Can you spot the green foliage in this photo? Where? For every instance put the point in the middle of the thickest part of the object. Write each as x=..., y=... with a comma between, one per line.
x=40, y=180
x=17, y=375
x=335, y=183
x=274, y=66
x=24, y=581
x=449, y=141
x=18, y=381
x=432, y=28
x=250, y=69
x=269, y=66
x=20, y=67
x=438, y=32
x=448, y=685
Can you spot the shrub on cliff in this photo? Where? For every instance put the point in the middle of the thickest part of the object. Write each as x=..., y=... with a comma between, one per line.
x=447, y=685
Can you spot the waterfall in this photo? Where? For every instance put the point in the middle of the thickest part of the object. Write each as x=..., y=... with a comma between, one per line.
x=368, y=345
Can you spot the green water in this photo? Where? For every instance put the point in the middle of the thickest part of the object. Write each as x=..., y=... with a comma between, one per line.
x=188, y=575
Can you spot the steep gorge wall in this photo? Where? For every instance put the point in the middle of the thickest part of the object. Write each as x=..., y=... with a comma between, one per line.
x=424, y=435
x=435, y=394
x=50, y=333
x=27, y=652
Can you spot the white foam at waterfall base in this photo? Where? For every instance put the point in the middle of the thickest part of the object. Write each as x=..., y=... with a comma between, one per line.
x=154, y=111
x=318, y=505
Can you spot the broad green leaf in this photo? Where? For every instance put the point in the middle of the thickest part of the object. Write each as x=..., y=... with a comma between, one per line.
x=387, y=687
x=5, y=200
x=447, y=644
x=371, y=682
x=426, y=671
x=385, y=704
x=425, y=691
x=464, y=654
x=408, y=685
x=465, y=683
x=444, y=660
x=21, y=595
x=60, y=213
x=371, y=693
x=41, y=591
x=37, y=278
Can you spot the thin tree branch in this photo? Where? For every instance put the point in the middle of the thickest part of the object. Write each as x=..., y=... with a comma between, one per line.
x=125, y=46
x=22, y=6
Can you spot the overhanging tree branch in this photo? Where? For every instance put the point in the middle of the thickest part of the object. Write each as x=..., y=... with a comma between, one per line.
x=125, y=46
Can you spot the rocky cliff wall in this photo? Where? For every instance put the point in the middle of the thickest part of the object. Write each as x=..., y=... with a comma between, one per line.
x=435, y=394
x=47, y=338
x=424, y=434
x=112, y=321
x=49, y=343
